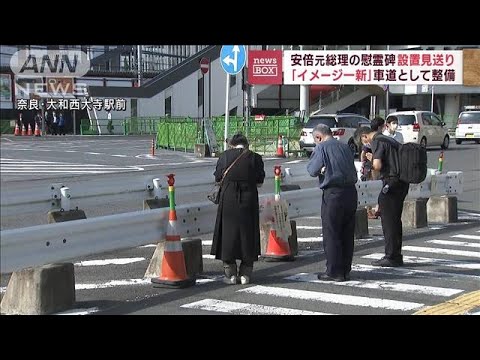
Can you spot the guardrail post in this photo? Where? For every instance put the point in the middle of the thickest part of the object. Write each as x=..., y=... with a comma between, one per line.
x=414, y=213
x=442, y=209
x=158, y=201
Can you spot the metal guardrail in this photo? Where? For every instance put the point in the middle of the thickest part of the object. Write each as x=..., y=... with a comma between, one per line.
x=43, y=244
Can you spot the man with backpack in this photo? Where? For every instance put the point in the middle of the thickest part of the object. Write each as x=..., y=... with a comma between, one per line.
x=386, y=159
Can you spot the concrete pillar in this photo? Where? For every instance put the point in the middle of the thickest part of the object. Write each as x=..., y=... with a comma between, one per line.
x=305, y=99
x=452, y=109
x=40, y=291
x=442, y=209
x=192, y=250
x=414, y=213
x=361, y=223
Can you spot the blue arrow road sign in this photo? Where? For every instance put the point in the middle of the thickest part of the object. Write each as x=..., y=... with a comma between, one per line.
x=232, y=58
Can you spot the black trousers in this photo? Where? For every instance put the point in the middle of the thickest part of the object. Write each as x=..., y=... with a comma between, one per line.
x=391, y=207
x=338, y=224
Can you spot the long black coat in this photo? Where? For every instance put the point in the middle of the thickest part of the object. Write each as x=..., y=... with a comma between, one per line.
x=237, y=230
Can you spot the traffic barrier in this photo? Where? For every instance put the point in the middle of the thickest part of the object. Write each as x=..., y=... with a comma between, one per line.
x=174, y=272
x=414, y=214
x=158, y=201
x=44, y=244
x=278, y=248
x=442, y=209
x=280, y=152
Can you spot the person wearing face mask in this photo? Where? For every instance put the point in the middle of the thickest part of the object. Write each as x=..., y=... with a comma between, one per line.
x=391, y=129
x=385, y=159
x=333, y=163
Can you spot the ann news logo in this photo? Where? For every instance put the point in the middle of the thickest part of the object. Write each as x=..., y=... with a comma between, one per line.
x=265, y=67
x=57, y=63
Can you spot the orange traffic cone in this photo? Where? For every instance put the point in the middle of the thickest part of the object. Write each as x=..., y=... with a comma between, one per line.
x=29, y=132
x=280, y=152
x=174, y=271
x=38, y=132
x=24, y=131
x=17, y=130
x=277, y=248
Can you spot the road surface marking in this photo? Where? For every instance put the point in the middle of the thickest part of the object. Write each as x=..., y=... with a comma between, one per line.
x=306, y=227
x=469, y=237
x=237, y=308
x=79, y=311
x=458, y=306
x=442, y=251
x=379, y=285
x=431, y=261
x=104, y=262
x=332, y=298
x=454, y=243
x=418, y=273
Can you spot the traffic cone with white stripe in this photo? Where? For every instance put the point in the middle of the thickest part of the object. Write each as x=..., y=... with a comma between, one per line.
x=280, y=152
x=278, y=249
x=38, y=132
x=29, y=132
x=17, y=130
x=24, y=131
x=174, y=271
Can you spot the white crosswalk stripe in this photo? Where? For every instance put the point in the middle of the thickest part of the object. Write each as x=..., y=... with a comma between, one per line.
x=454, y=243
x=33, y=167
x=431, y=261
x=442, y=251
x=380, y=285
x=469, y=237
x=237, y=308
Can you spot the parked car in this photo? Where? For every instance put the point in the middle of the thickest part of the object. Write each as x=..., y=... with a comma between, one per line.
x=343, y=127
x=468, y=125
x=422, y=127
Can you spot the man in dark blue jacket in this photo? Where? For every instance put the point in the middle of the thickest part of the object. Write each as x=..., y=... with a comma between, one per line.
x=333, y=163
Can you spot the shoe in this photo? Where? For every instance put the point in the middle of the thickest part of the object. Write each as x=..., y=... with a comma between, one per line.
x=386, y=262
x=232, y=280
x=326, y=277
x=244, y=279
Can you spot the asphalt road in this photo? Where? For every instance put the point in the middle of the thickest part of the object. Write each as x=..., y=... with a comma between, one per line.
x=443, y=262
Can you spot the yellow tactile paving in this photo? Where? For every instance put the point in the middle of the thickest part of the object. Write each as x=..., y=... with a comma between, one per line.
x=457, y=306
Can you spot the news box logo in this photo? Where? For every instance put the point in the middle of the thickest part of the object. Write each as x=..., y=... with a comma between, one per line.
x=265, y=67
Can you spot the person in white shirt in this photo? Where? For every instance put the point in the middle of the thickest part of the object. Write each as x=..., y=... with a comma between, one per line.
x=391, y=129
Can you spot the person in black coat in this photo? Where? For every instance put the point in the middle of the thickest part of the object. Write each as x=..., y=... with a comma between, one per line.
x=237, y=229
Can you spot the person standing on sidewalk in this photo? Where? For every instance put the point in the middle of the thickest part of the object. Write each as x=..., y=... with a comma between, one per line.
x=333, y=163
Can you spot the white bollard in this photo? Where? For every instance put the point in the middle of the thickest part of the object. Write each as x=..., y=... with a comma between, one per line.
x=65, y=198
x=157, y=188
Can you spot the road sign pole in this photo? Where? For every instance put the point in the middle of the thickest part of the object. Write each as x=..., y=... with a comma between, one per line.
x=227, y=95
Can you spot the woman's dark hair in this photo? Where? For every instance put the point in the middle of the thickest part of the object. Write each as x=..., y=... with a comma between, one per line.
x=238, y=139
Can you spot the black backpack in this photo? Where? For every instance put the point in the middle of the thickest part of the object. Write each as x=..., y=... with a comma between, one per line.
x=413, y=163
x=412, y=160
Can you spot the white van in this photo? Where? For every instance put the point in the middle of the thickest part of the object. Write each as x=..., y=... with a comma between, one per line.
x=422, y=127
x=468, y=125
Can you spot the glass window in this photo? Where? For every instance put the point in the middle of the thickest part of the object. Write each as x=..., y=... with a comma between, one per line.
x=426, y=119
x=435, y=120
x=405, y=119
x=326, y=120
x=471, y=117
x=168, y=106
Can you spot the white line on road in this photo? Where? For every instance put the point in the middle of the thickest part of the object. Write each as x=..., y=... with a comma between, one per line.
x=418, y=273
x=469, y=237
x=294, y=161
x=431, y=261
x=104, y=262
x=306, y=227
x=129, y=282
x=122, y=156
x=79, y=311
x=454, y=243
x=237, y=308
x=442, y=251
x=94, y=153
x=332, y=298
x=379, y=285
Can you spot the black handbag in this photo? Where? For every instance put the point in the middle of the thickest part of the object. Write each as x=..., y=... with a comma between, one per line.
x=214, y=195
